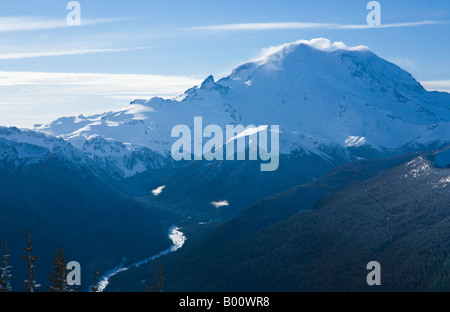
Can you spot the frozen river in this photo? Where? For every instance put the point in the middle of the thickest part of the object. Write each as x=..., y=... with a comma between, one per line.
x=178, y=240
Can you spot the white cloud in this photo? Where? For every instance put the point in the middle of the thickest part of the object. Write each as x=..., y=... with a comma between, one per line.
x=438, y=85
x=98, y=83
x=318, y=43
x=299, y=25
x=158, y=190
x=23, y=23
x=393, y=25
x=221, y=203
x=38, y=97
x=263, y=26
x=24, y=55
x=32, y=23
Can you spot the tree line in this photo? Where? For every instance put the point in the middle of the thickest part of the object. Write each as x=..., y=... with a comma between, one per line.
x=58, y=272
x=57, y=276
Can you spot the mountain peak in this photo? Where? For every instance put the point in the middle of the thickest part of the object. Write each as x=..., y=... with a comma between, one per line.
x=321, y=62
x=294, y=56
x=208, y=82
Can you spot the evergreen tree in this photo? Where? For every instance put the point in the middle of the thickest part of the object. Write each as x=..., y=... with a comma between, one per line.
x=159, y=279
x=96, y=286
x=58, y=274
x=5, y=270
x=29, y=258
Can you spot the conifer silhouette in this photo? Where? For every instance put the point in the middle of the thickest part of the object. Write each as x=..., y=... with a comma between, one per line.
x=5, y=270
x=159, y=280
x=96, y=286
x=29, y=258
x=58, y=274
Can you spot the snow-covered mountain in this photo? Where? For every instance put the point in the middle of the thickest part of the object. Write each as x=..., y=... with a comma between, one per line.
x=324, y=96
x=19, y=147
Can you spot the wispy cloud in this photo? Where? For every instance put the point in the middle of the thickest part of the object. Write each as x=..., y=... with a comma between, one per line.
x=32, y=23
x=393, y=25
x=300, y=25
x=318, y=43
x=24, y=55
x=437, y=85
x=158, y=190
x=102, y=84
x=221, y=203
x=38, y=97
x=262, y=26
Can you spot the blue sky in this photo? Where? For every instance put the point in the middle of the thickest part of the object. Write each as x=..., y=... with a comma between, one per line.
x=138, y=49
